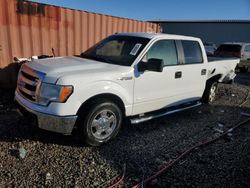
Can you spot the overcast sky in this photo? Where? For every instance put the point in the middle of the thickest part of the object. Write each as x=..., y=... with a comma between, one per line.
x=162, y=9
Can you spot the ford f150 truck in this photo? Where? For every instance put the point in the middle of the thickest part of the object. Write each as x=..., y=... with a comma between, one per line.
x=137, y=76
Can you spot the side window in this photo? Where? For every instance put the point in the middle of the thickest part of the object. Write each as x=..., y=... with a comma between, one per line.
x=192, y=52
x=247, y=48
x=165, y=50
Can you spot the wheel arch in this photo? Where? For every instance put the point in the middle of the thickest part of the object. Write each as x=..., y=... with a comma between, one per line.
x=215, y=78
x=109, y=96
x=210, y=81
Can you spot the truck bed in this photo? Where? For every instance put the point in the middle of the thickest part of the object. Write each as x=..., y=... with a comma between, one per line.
x=224, y=67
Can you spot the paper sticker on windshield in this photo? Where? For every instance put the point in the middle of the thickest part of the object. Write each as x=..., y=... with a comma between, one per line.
x=135, y=49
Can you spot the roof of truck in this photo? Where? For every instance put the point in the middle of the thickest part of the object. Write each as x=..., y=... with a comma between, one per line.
x=158, y=35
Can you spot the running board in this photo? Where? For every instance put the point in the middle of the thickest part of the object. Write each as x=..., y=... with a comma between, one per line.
x=149, y=117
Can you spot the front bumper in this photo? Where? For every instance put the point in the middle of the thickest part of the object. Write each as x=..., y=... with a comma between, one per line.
x=58, y=124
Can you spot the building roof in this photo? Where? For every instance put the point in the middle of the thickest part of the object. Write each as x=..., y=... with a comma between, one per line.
x=200, y=21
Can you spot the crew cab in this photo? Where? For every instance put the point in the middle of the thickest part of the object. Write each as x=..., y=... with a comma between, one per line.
x=137, y=76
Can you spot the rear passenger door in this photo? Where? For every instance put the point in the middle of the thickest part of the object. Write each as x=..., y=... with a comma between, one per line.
x=193, y=70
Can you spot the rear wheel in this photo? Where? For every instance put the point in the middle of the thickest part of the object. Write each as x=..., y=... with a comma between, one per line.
x=101, y=122
x=209, y=94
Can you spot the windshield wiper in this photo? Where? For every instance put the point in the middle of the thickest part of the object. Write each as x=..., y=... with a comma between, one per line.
x=82, y=55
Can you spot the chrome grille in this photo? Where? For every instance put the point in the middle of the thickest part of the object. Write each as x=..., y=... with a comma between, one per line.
x=28, y=83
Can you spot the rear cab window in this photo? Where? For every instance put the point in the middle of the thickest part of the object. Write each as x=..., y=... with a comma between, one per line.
x=192, y=52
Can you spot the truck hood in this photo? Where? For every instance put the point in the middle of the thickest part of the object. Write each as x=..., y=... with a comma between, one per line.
x=54, y=68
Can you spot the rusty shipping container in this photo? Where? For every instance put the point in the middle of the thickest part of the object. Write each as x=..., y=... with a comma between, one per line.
x=29, y=28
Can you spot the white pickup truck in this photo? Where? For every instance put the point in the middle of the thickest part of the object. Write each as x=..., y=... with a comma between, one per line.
x=139, y=76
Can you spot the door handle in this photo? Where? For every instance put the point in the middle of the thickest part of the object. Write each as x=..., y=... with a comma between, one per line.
x=178, y=74
x=203, y=71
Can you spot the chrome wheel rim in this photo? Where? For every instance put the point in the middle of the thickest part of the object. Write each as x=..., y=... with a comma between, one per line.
x=103, y=124
x=212, y=93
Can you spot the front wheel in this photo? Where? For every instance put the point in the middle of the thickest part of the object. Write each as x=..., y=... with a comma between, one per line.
x=101, y=123
x=209, y=94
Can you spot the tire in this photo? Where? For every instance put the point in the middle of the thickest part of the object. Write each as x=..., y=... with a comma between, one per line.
x=100, y=123
x=209, y=94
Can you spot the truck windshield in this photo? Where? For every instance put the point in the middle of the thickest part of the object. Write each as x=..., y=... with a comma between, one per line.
x=117, y=49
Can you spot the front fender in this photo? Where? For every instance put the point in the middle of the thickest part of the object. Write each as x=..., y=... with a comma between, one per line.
x=124, y=92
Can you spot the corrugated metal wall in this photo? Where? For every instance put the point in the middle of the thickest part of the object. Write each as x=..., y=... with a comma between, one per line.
x=28, y=28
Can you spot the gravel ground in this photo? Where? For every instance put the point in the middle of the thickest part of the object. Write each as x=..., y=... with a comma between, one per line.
x=32, y=157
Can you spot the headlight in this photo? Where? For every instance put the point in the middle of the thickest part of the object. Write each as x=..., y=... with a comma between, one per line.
x=53, y=93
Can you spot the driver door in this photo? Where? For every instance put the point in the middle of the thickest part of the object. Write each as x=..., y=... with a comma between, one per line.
x=156, y=90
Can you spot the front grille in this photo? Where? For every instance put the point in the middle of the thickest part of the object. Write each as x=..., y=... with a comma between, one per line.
x=28, y=83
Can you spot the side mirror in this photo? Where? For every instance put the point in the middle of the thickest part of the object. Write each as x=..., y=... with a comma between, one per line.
x=153, y=64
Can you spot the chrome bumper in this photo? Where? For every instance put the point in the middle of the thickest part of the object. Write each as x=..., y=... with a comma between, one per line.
x=58, y=124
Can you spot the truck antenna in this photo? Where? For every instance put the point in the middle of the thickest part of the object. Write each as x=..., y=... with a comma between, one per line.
x=53, y=52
